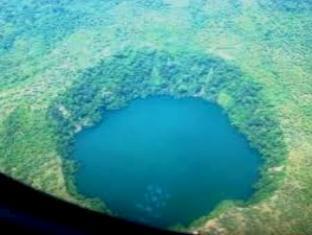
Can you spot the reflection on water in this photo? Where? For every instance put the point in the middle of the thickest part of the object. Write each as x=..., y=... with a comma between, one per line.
x=163, y=161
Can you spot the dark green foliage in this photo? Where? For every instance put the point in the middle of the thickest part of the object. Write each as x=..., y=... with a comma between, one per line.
x=268, y=42
x=139, y=73
x=38, y=19
x=19, y=145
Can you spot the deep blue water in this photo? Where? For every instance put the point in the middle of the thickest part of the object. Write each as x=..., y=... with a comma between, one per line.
x=164, y=161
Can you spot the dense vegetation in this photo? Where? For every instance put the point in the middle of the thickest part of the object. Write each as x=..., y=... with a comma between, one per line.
x=63, y=63
x=138, y=73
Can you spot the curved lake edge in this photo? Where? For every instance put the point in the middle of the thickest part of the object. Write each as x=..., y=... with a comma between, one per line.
x=269, y=180
x=99, y=205
x=216, y=210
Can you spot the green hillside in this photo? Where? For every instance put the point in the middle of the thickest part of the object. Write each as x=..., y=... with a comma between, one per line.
x=62, y=62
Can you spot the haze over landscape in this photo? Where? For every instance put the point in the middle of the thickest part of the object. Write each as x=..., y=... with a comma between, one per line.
x=76, y=76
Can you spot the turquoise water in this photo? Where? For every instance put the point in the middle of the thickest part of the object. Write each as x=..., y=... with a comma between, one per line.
x=164, y=161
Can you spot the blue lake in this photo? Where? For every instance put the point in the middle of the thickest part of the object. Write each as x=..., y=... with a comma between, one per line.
x=164, y=161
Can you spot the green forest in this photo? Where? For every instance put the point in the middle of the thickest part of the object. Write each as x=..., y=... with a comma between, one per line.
x=64, y=63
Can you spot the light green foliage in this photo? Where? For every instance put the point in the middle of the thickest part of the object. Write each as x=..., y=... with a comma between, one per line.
x=63, y=62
